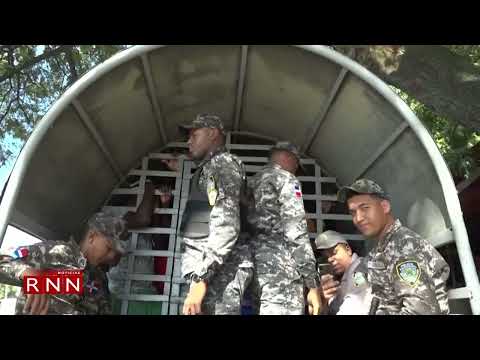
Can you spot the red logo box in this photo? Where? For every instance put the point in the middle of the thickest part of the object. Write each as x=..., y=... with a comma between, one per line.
x=54, y=282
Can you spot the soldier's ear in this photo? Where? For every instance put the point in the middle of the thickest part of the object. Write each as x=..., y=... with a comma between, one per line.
x=349, y=249
x=212, y=133
x=91, y=236
x=385, y=206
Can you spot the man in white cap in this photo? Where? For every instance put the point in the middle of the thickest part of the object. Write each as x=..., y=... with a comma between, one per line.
x=352, y=294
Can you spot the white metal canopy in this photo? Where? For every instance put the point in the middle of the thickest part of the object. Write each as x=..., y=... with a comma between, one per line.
x=335, y=110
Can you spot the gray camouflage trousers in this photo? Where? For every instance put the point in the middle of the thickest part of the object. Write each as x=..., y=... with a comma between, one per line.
x=225, y=291
x=277, y=295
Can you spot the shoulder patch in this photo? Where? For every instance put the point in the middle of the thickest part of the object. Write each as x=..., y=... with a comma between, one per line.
x=92, y=287
x=20, y=253
x=359, y=278
x=82, y=262
x=212, y=191
x=409, y=272
x=297, y=190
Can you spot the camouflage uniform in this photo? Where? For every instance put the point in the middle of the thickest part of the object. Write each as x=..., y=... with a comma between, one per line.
x=59, y=255
x=407, y=274
x=215, y=252
x=284, y=259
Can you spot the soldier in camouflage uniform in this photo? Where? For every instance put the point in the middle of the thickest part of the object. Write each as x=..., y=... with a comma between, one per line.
x=407, y=274
x=99, y=245
x=284, y=259
x=215, y=262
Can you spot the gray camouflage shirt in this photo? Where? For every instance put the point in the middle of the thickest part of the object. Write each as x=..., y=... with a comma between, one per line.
x=408, y=274
x=202, y=256
x=277, y=217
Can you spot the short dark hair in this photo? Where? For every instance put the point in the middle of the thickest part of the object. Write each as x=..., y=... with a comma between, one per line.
x=290, y=155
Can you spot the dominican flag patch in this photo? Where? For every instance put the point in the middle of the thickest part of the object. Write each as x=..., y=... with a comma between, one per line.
x=298, y=191
x=20, y=253
x=92, y=287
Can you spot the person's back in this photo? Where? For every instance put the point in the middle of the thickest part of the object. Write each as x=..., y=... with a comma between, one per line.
x=266, y=217
x=284, y=260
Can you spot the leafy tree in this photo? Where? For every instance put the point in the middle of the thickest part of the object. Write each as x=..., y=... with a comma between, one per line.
x=441, y=83
x=32, y=77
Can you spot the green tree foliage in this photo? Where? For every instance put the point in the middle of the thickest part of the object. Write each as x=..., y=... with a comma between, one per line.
x=32, y=77
x=455, y=142
x=471, y=52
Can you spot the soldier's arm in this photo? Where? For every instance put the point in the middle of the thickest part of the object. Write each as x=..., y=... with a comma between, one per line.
x=104, y=306
x=224, y=219
x=442, y=272
x=414, y=287
x=99, y=304
x=143, y=216
x=293, y=217
x=42, y=256
x=11, y=270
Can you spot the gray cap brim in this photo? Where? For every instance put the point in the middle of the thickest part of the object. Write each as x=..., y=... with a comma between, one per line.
x=343, y=193
x=328, y=240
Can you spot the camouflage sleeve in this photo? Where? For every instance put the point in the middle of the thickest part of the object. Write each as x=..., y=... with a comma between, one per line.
x=224, y=218
x=90, y=305
x=97, y=302
x=104, y=306
x=46, y=255
x=415, y=286
x=11, y=270
x=440, y=277
x=292, y=213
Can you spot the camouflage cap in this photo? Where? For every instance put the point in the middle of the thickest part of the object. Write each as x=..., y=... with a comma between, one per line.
x=329, y=239
x=287, y=146
x=111, y=226
x=362, y=186
x=204, y=121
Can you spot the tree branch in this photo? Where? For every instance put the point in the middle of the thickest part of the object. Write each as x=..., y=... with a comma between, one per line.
x=60, y=67
x=27, y=64
x=19, y=101
x=447, y=83
x=72, y=66
x=7, y=94
x=4, y=115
